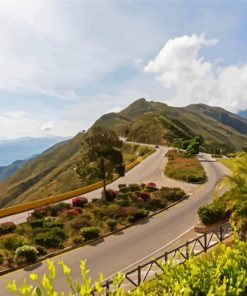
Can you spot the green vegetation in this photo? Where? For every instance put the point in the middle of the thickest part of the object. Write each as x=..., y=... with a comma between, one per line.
x=181, y=166
x=61, y=225
x=191, y=146
x=233, y=202
x=155, y=122
x=102, y=156
x=54, y=172
x=224, y=274
x=60, y=174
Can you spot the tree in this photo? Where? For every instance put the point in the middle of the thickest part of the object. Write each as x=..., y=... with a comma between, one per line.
x=103, y=151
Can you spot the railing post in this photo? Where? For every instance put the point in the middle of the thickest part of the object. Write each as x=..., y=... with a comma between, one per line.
x=205, y=242
x=221, y=233
x=107, y=288
x=166, y=256
x=139, y=275
x=187, y=250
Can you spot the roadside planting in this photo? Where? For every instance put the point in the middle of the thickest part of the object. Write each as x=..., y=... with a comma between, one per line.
x=61, y=225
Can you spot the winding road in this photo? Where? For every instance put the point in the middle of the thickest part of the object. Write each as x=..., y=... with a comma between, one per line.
x=136, y=244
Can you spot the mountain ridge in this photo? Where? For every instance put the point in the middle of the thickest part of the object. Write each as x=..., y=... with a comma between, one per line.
x=54, y=171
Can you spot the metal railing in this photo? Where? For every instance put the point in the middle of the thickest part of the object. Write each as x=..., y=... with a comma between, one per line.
x=147, y=271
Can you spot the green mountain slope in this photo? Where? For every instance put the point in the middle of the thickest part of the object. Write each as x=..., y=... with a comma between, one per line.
x=53, y=171
x=217, y=126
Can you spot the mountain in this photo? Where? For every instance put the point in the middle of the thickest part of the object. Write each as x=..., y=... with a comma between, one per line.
x=155, y=122
x=9, y=170
x=23, y=148
x=54, y=170
x=243, y=113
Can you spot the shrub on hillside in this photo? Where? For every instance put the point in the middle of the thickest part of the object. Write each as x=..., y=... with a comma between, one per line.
x=137, y=215
x=55, y=223
x=12, y=241
x=110, y=195
x=48, y=239
x=171, y=194
x=111, y=223
x=155, y=204
x=150, y=188
x=26, y=254
x=7, y=227
x=35, y=223
x=134, y=187
x=143, y=195
x=79, y=201
x=70, y=214
x=211, y=213
x=89, y=233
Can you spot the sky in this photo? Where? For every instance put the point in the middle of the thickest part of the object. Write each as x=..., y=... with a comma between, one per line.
x=65, y=63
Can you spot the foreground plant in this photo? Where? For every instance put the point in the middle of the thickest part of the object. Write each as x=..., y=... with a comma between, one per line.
x=44, y=286
x=221, y=273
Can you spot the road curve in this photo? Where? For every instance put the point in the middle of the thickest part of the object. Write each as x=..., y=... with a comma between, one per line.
x=148, y=170
x=116, y=252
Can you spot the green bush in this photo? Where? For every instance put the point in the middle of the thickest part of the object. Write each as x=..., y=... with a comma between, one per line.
x=7, y=227
x=211, y=213
x=134, y=187
x=156, y=204
x=89, y=233
x=111, y=223
x=138, y=215
x=35, y=223
x=12, y=241
x=55, y=223
x=51, y=238
x=150, y=188
x=121, y=186
x=77, y=239
x=42, y=251
x=26, y=254
x=170, y=194
x=124, y=189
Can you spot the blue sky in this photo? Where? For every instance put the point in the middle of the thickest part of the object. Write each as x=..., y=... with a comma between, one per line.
x=65, y=63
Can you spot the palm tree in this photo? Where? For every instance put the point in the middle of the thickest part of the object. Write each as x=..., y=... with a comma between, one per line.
x=232, y=191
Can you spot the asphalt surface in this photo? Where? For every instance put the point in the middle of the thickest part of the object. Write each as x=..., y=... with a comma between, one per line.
x=148, y=170
x=125, y=250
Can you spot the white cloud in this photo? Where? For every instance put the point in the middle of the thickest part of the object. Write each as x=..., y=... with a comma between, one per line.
x=180, y=66
x=48, y=126
x=15, y=114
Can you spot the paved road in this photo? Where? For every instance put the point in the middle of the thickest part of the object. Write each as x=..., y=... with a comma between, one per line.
x=120, y=251
x=150, y=169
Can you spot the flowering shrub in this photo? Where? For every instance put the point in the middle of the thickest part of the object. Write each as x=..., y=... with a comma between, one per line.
x=152, y=184
x=7, y=227
x=143, y=195
x=79, y=201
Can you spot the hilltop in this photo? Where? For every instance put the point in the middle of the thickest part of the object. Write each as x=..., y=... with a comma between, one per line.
x=54, y=171
x=155, y=122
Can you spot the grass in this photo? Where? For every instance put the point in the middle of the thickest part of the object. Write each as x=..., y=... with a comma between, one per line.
x=230, y=163
x=60, y=175
x=185, y=168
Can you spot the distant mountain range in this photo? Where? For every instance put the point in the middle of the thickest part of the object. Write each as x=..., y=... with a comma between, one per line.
x=10, y=169
x=54, y=171
x=23, y=148
x=243, y=113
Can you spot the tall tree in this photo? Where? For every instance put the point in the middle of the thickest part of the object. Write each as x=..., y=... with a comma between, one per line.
x=103, y=151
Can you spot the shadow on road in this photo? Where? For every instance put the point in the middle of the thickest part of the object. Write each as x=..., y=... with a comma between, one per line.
x=97, y=242
x=32, y=267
